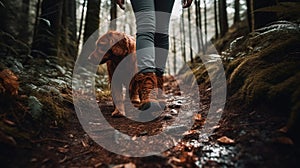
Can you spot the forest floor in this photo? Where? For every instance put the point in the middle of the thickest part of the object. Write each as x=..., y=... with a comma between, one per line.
x=254, y=141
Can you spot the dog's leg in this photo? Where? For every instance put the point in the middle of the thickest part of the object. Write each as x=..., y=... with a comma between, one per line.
x=118, y=101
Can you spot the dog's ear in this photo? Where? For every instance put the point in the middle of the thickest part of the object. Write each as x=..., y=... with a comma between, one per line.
x=105, y=43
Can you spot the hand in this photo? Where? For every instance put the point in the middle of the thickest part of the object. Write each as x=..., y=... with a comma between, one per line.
x=186, y=3
x=121, y=4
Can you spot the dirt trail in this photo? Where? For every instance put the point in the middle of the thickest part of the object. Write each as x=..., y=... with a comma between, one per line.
x=256, y=143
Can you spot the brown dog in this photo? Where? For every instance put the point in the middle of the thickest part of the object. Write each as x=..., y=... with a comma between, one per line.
x=113, y=47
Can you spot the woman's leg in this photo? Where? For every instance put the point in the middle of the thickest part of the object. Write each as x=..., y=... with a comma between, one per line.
x=144, y=11
x=145, y=80
x=161, y=38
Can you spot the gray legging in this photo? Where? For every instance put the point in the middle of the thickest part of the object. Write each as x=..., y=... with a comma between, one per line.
x=152, y=44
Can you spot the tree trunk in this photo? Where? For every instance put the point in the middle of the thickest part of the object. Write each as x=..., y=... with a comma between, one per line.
x=205, y=27
x=190, y=35
x=250, y=17
x=45, y=41
x=236, y=11
x=216, y=19
x=4, y=16
x=223, y=17
x=113, y=15
x=183, y=51
x=198, y=30
x=25, y=35
x=92, y=18
x=81, y=22
x=69, y=28
x=174, y=50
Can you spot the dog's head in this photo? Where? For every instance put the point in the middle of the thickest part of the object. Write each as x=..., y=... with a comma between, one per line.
x=112, y=46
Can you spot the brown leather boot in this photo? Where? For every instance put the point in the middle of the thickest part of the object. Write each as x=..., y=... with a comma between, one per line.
x=147, y=84
x=160, y=86
x=134, y=92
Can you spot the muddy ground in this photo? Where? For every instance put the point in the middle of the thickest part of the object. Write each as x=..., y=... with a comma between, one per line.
x=257, y=141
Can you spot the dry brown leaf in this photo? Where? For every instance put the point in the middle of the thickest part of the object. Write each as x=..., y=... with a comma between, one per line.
x=174, y=159
x=9, y=82
x=198, y=117
x=284, y=140
x=62, y=150
x=84, y=144
x=190, y=132
x=225, y=140
x=126, y=165
x=11, y=123
x=283, y=129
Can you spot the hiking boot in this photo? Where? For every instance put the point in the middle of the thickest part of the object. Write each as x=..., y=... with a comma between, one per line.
x=134, y=93
x=147, y=84
x=160, y=86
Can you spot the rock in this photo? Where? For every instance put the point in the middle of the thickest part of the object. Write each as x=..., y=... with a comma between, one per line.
x=36, y=107
x=60, y=69
x=173, y=112
x=176, y=104
x=168, y=116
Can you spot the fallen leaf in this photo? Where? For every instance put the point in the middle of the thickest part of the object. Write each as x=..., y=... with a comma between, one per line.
x=134, y=138
x=174, y=159
x=190, y=132
x=84, y=144
x=126, y=165
x=283, y=129
x=33, y=160
x=98, y=164
x=11, y=123
x=284, y=140
x=216, y=127
x=198, y=117
x=9, y=82
x=62, y=150
x=63, y=160
x=225, y=140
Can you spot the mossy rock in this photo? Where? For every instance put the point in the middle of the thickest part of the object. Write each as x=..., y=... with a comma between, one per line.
x=268, y=75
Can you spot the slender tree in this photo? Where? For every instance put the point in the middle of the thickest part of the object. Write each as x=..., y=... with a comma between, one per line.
x=81, y=21
x=205, y=26
x=237, y=16
x=92, y=18
x=69, y=29
x=198, y=30
x=174, y=50
x=182, y=30
x=45, y=41
x=25, y=21
x=113, y=15
x=216, y=19
x=259, y=19
x=190, y=34
x=223, y=19
x=56, y=29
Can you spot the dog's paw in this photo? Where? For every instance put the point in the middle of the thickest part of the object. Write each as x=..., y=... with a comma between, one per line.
x=118, y=113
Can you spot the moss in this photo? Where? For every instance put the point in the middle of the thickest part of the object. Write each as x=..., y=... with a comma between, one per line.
x=268, y=84
x=54, y=110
